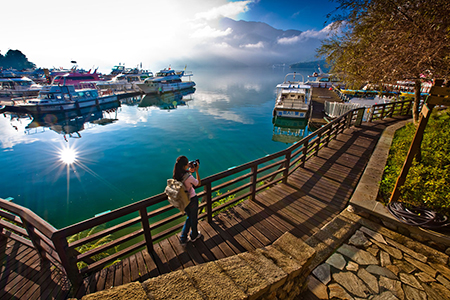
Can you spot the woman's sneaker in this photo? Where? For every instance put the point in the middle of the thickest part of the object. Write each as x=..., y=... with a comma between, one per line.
x=199, y=235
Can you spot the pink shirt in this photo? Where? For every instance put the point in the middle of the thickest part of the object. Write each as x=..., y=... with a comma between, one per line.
x=189, y=184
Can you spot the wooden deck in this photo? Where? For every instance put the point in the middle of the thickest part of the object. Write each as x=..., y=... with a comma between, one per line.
x=312, y=196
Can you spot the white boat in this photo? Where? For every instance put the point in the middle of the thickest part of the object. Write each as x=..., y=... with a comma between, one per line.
x=324, y=80
x=124, y=82
x=18, y=87
x=54, y=98
x=293, y=98
x=166, y=81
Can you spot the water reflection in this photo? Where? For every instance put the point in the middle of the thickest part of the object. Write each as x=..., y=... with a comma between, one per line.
x=168, y=100
x=289, y=131
x=68, y=123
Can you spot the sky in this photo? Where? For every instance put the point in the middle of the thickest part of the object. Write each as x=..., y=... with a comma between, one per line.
x=157, y=33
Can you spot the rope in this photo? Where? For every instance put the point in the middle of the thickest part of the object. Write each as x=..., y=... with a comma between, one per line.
x=417, y=216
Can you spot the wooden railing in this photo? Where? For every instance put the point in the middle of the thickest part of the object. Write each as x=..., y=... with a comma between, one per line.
x=139, y=225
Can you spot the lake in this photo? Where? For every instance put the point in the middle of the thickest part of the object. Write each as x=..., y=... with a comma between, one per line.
x=125, y=154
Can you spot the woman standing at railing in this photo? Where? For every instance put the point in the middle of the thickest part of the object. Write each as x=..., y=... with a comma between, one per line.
x=182, y=169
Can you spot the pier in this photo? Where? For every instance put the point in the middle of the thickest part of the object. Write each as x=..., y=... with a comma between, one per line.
x=298, y=190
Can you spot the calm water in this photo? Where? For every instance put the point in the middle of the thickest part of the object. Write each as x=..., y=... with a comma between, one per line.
x=227, y=121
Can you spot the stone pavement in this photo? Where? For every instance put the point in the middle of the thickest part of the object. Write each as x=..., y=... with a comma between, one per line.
x=378, y=263
x=381, y=258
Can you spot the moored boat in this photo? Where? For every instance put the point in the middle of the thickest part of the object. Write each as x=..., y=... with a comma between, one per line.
x=166, y=81
x=293, y=98
x=59, y=98
x=18, y=87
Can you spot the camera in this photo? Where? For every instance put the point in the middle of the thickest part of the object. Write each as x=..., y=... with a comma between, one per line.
x=194, y=163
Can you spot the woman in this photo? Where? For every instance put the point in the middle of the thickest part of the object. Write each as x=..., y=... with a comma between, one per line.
x=181, y=168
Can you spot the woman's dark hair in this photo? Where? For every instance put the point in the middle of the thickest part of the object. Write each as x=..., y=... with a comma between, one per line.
x=178, y=169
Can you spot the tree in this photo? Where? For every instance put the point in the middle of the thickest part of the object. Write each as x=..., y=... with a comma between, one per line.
x=382, y=41
x=15, y=59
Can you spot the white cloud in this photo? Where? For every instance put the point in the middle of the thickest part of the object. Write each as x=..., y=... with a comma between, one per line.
x=322, y=34
x=258, y=45
x=229, y=10
x=208, y=32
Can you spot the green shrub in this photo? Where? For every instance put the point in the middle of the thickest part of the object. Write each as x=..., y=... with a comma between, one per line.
x=428, y=181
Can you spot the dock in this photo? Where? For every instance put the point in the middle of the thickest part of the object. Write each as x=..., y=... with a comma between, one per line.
x=319, y=96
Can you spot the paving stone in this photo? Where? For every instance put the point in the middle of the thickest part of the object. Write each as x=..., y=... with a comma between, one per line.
x=444, y=281
x=447, y=251
x=359, y=240
x=433, y=294
x=394, y=252
x=432, y=254
x=410, y=280
x=441, y=269
x=394, y=269
x=337, y=291
x=392, y=285
x=288, y=264
x=419, y=237
x=445, y=293
x=423, y=267
x=377, y=270
x=418, y=256
x=385, y=259
x=352, y=266
x=336, y=260
x=317, y=288
x=370, y=280
x=414, y=294
x=361, y=257
x=387, y=295
x=424, y=277
x=351, y=283
x=404, y=266
x=374, y=235
x=323, y=273
x=373, y=250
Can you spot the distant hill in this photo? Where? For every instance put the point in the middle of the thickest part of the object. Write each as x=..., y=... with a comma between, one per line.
x=15, y=59
x=312, y=64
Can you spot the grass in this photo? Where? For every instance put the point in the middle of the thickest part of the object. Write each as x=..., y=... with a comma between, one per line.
x=428, y=181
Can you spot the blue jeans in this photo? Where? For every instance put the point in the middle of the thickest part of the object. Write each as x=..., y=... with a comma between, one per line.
x=191, y=220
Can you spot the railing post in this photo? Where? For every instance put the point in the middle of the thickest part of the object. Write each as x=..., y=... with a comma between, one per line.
x=319, y=140
x=254, y=178
x=305, y=152
x=348, y=123
x=34, y=239
x=146, y=226
x=68, y=261
x=286, y=167
x=208, y=202
x=359, y=117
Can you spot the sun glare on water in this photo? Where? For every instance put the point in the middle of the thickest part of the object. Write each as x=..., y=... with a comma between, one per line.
x=68, y=156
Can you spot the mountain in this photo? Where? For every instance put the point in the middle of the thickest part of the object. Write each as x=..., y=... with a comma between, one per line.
x=244, y=43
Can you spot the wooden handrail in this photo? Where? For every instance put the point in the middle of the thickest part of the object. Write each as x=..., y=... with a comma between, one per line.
x=267, y=170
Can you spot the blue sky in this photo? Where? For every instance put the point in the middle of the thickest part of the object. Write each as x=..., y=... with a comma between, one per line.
x=284, y=14
x=102, y=33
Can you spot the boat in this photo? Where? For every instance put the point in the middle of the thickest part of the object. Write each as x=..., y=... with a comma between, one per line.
x=324, y=80
x=166, y=81
x=18, y=87
x=293, y=98
x=76, y=78
x=54, y=98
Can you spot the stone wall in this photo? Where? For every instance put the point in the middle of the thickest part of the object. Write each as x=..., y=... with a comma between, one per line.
x=278, y=271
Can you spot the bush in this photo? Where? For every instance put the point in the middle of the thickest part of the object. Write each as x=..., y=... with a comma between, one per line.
x=428, y=182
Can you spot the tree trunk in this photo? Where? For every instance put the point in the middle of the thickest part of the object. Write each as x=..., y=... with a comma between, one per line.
x=417, y=86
